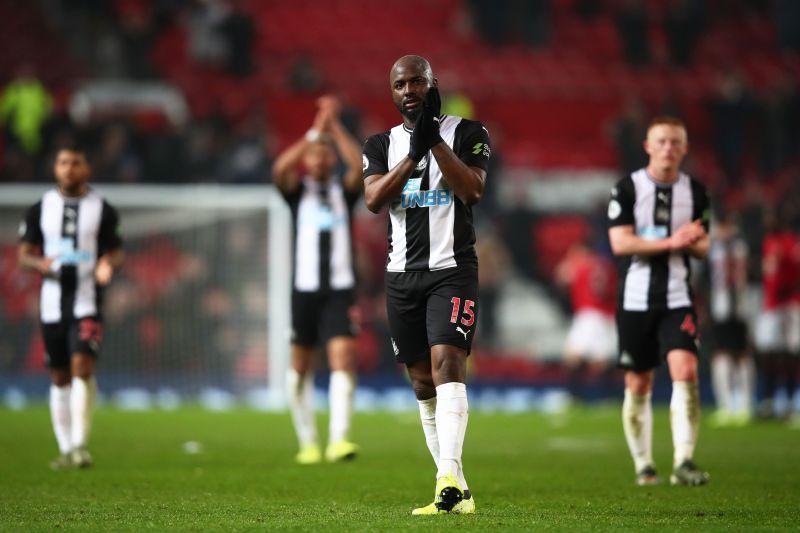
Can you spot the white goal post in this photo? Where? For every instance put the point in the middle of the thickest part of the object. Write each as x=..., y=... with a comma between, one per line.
x=231, y=242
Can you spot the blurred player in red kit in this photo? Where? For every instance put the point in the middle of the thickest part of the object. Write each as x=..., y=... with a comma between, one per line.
x=591, y=344
x=778, y=327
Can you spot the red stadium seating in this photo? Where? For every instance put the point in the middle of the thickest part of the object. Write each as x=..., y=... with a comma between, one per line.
x=551, y=107
x=553, y=236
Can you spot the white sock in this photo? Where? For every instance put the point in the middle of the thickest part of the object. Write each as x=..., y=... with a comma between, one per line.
x=427, y=415
x=461, y=479
x=452, y=413
x=340, y=398
x=722, y=381
x=684, y=411
x=60, y=416
x=300, y=395
x=746, y=377
x=637, y=421
x=81, y=409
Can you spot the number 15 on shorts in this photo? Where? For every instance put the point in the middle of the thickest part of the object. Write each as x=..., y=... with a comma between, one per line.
x=467, y=315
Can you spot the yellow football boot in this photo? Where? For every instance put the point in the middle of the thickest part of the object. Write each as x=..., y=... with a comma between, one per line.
x=448, y=492
x=342, y=450
x=465, y=506
x=309, y=455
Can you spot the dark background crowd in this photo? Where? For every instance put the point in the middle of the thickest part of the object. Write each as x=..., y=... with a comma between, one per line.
x=208, y=91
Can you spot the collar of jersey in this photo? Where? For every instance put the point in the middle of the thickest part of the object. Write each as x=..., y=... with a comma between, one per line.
x=659, y=184
x=409, y=130
x=73, y=199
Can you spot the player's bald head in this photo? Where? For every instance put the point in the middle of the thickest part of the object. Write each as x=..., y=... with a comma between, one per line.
x=414, y=63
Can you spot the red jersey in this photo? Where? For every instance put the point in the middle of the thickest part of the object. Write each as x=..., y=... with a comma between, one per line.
x=18, y=289
x=594, y=284
x=780, y=269
x=795, y=284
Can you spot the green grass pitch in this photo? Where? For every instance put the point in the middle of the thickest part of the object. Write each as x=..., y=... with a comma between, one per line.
x=530, y=471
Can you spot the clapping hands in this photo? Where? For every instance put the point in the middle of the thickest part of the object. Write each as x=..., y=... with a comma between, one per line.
x=426, y=129
x=687, y=235
x=327, y=113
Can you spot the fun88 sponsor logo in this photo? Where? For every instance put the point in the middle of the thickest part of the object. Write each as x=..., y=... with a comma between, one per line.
x=426, y=198
x=413, y=197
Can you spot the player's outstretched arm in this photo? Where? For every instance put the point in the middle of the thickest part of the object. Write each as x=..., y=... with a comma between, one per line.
x=284, y=169
x=381, y=188
x=466, y=182
x=350, y=152
x=328, y=121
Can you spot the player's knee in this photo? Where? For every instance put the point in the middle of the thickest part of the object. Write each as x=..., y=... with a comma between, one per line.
x=302, y=366
x=423, y=390
x=422, y=385
x=82, y=366
x=682, y=366
x=639, y=383
x=302, y=358
x=685, y=373
x=448, y=364
x=342, y=354
x=641, y=388
x=60, y=377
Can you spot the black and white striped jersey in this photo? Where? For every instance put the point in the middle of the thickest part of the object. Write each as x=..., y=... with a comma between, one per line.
x=727, y=299
x=656, y=211
x=75, y=232
x=429, y=227
x=323, y=228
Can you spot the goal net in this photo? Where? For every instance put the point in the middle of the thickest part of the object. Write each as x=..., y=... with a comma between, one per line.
x=199, y=310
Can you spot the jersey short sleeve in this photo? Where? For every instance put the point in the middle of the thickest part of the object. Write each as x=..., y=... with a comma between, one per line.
x=110, y=236
x=375, y=159
x=702, y=205
x=474, y=147
x=620, y=204
x=30, y=230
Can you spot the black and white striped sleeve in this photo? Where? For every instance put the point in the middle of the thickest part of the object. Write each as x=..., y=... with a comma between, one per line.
x=620, y=204
x=110, y=234
x=30, y=229
x=701, y=204
x=375, y=155
x=472, y=144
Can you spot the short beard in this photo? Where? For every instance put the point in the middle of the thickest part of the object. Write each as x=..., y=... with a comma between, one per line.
x=410, y=114
x=72, y=190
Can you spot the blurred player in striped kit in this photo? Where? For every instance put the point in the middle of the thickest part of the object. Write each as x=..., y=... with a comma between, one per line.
x=732, y=368
x=71, y=237
x=659, y=217
x=323, y=278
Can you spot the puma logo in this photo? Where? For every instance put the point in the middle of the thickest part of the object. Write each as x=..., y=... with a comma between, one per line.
x=465, y=333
